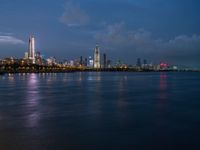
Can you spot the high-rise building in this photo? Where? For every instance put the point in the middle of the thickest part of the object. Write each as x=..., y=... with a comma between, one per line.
x=81, y=61
x=31, y=51
x=91, y=62
x=145, y=62
x=104, y=61
x=97, y=63
x=38, y=58
x=51, y=61
x=86, y=62
x=109, y=63
x=139, y=62
x=26, y=55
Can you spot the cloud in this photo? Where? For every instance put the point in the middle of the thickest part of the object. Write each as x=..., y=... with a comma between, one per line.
x=183, y=46
x=6, y=39
x=74, y=15
x=117, y=34
x=6, y=33
x=118, y=37
x=142, y=43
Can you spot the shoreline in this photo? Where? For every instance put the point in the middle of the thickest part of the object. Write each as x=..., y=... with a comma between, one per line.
x=16, y=68
x=76, y=71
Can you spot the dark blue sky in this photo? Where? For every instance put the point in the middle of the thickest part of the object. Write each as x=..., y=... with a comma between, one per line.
x=157, y=30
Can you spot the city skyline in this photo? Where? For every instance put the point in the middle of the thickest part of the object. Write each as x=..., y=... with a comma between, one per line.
x=140, y=29
x=97, y=61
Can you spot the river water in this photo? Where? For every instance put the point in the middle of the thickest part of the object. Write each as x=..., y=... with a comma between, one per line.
x=99, y=111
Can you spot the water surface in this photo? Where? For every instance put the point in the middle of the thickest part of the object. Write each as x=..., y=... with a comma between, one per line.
x=99, y=111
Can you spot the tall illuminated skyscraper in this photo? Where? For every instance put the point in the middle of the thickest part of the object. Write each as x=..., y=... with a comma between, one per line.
x=97, y=63
x=31, y=51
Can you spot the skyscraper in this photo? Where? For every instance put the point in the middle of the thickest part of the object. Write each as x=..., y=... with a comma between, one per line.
x=31, y=51
x=97, y=63
x=91, y=62
x=104, y=61
x=138, y=62
x=145, y=62
x=86, y=62
x=81, y=60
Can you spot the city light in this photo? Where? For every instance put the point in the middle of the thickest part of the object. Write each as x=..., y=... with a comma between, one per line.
x=33, y=61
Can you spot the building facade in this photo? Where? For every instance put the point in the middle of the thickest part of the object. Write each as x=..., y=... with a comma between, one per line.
x=31, y=51
x=97, y=58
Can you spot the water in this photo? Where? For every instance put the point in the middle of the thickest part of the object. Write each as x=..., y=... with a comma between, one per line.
x=99, y=111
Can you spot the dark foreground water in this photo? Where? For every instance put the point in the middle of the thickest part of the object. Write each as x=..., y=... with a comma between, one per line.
x=100, y=111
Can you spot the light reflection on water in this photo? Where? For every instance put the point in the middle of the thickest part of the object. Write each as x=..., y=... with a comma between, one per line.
x=163, y=86
x=11, y=78
x=122, y=92
x=163, y=92
x=32, y=90
x=58, y=111
x=32, y=100
x=94, y=76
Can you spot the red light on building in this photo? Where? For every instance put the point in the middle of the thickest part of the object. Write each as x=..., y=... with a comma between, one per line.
x=163, y=65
